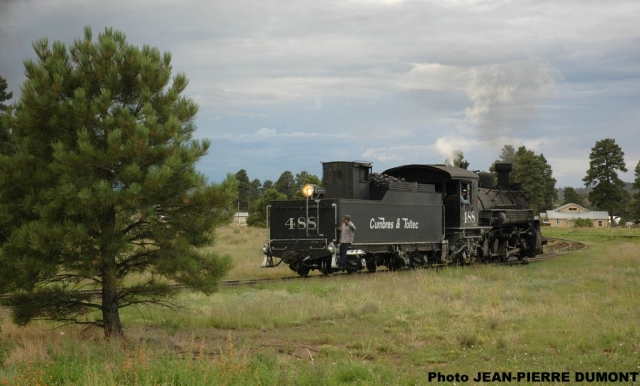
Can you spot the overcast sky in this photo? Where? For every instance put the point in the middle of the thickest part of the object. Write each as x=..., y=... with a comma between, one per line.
x=286, y=85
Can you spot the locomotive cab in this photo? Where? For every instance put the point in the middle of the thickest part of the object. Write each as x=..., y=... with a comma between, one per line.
x=459, y=214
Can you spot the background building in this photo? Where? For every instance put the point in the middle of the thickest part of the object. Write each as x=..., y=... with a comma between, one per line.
x=240, y=217
x=567, y=214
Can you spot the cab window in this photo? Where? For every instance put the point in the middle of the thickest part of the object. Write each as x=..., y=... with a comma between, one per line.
x=467, y=186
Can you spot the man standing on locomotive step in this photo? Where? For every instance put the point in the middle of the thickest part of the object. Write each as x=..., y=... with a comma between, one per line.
x=346, y=238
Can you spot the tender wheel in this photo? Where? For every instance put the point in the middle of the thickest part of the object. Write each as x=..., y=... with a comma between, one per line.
x=395, y=263
x=388, y=262
x=303, y=270
x=371, y=265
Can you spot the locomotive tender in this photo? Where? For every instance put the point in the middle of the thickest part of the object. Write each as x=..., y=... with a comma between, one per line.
x=408, y=216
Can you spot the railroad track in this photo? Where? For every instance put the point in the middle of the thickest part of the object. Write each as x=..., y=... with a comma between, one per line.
x=558, y=247
x=555, y=248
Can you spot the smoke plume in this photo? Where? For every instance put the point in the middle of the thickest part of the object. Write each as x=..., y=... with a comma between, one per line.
x=450, y=159
x=505, y=97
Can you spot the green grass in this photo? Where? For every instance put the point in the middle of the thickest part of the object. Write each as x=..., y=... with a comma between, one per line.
x=578, y=312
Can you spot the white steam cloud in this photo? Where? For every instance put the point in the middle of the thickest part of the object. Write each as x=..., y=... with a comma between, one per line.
x=449, y=148
x=504, y=97
x=454, y=155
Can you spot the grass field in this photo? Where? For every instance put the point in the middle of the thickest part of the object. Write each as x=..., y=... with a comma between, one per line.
x=576, y=313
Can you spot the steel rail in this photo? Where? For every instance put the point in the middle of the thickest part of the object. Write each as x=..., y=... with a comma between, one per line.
x=564, y=247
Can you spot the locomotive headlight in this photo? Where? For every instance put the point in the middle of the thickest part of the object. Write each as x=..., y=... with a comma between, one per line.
x=265, y=247
x=331, y=248
x=308, y=189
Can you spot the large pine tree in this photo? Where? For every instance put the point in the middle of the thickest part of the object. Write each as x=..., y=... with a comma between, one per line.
x=536, y=177
x=286, y=184
x=572, y=196
x=508, y=154
x=102, y=186
x=5, y=134
x=635, y=204
x=606, y=159
x=550, y=191
x=244, y=188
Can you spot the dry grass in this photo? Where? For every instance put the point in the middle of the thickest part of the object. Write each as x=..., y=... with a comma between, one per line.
x=244, y=245
x=574, y=313
x=31, y=344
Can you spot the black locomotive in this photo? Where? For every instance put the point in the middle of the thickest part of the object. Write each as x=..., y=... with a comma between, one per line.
x=408, y=216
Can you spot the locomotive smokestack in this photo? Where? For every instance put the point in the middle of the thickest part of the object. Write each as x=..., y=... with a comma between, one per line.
x=504, y=174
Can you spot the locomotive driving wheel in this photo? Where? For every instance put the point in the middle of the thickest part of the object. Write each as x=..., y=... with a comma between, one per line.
x=495, y=249
x=485, y=250
x=500, y=250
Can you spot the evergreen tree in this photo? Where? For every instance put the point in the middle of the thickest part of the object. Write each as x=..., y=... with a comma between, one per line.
x=244, y=188
x=4, y=96
x=103, y=186
x=572, y=196
x=258, y=217
x=529, y=173
x=266, y=185
x=255, y=191
x=5, y=133
x=626, y=206
x=536, y=177
x=606, y=159
x=634, y=210
x=507, y=155
x=286, y=185
x=550, y=191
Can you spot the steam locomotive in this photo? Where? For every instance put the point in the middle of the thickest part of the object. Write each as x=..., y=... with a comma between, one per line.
x=408, y=216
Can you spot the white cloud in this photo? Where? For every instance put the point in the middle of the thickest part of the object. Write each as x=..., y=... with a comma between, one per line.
x=265, y=133
x=503, y=94
x=570, y=169
x=317, y=104
x=271, y=136
x=392, y=81
x=394, y=153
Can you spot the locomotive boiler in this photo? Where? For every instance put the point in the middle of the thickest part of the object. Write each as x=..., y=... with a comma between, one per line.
x=408, y=216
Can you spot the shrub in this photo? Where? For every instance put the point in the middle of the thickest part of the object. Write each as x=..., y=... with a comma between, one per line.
x=583, y=223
